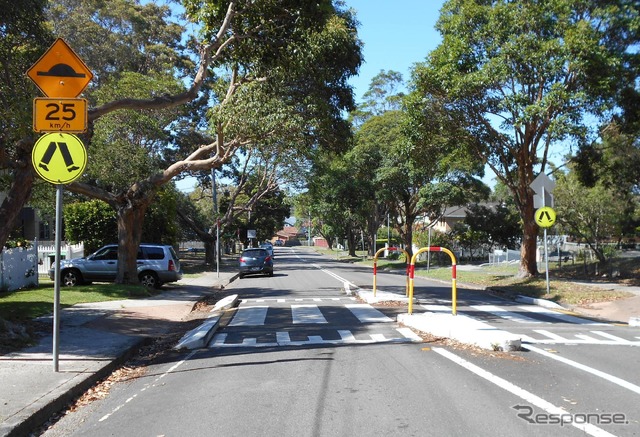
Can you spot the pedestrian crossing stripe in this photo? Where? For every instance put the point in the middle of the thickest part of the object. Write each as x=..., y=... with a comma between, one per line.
x=406, y=335
x=308, y=315
x=302, y=299
x=305, y=314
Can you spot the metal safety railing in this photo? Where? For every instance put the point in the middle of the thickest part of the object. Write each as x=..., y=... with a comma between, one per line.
x=412, y=268
x=375, y=266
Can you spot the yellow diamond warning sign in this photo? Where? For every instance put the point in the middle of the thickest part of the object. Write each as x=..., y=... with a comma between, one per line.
x=60, y=72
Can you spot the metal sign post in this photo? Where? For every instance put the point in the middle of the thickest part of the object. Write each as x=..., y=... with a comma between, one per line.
x=59, y=158
x=542, y=186
x=56, y=279
x=546, y=250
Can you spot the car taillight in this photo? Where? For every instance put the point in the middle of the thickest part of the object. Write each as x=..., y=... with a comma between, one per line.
x=172, y=266
x=242, y=259
x=267, y=259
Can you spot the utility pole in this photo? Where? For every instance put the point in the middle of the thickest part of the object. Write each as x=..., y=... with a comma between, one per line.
x=214, y=195
x=309, y=231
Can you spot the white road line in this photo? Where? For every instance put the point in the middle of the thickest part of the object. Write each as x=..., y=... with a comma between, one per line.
x=564, y=317
x=303, y=314
x=151, y=384
x=551, y=335
x=611, y=337
x=436, y=308
x=520, y=392
x=505, y=314
x=408, y=333
x=283, y=338
x=347, y=336
x=614, y=379
x=335, y=276
x=368, y=314
x=219, y=339
x=587, y=338
x=250, y=316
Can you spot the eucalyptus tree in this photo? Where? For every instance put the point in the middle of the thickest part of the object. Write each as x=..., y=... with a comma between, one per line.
x=301, y=53
x=527, y=78
x=252, y=185
x=412, y=172
x=23, y=38
x=591, y=214
x=339, y=200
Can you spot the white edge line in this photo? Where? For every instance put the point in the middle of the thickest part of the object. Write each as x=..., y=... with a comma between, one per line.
x=520, y=392
x=614, y=379
x=171, y=369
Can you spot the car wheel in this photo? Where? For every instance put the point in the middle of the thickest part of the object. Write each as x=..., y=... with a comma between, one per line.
x=271, y=273
x=149, y=280
x=70, y=278
x=241, y=276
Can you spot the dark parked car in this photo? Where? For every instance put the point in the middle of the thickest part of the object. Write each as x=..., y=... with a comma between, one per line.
x=255, y=261
x=157, y=264
x=268, y=247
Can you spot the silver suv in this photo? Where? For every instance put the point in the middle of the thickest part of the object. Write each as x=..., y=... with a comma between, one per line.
x=157, y=264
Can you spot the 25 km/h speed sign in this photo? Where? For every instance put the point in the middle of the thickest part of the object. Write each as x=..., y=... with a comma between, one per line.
x=59, y=115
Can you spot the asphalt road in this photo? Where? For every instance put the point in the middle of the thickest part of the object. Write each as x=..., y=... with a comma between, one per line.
x=300, y=358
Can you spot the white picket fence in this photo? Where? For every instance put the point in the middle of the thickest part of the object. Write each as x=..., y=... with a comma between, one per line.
x=46, y=255
x=20, y=267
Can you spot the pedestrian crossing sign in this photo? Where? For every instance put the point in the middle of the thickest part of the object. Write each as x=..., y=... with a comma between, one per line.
x=545, y=217
x=59, y=158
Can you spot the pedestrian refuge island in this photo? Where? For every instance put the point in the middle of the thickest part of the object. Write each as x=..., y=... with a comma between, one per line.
x=375, y=266
x=412, y=268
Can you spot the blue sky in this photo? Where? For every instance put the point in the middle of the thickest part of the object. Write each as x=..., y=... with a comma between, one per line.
x=395, y=35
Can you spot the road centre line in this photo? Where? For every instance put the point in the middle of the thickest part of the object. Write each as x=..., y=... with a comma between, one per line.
x=330, y=273
x=614, y=379
x=520, y=392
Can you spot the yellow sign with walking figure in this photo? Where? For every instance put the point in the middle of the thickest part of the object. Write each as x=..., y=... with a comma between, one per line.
x=59, y=158
x=545, y=217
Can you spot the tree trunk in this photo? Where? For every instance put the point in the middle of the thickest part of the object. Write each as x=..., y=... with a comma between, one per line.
x=351, y=242
x=18, y=194
x=528, y=250
x=210, y=250
x=130, y=220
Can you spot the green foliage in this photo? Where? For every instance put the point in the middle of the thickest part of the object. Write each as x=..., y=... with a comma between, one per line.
x=522, y=78
x=498, y=225
x=160, y=221
x=267, y=216
x=23, y=38
x=128, y=145
x=93, y=222
x=18, y=242
x=592, y=215
x=119, y=36
x=383, y=95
